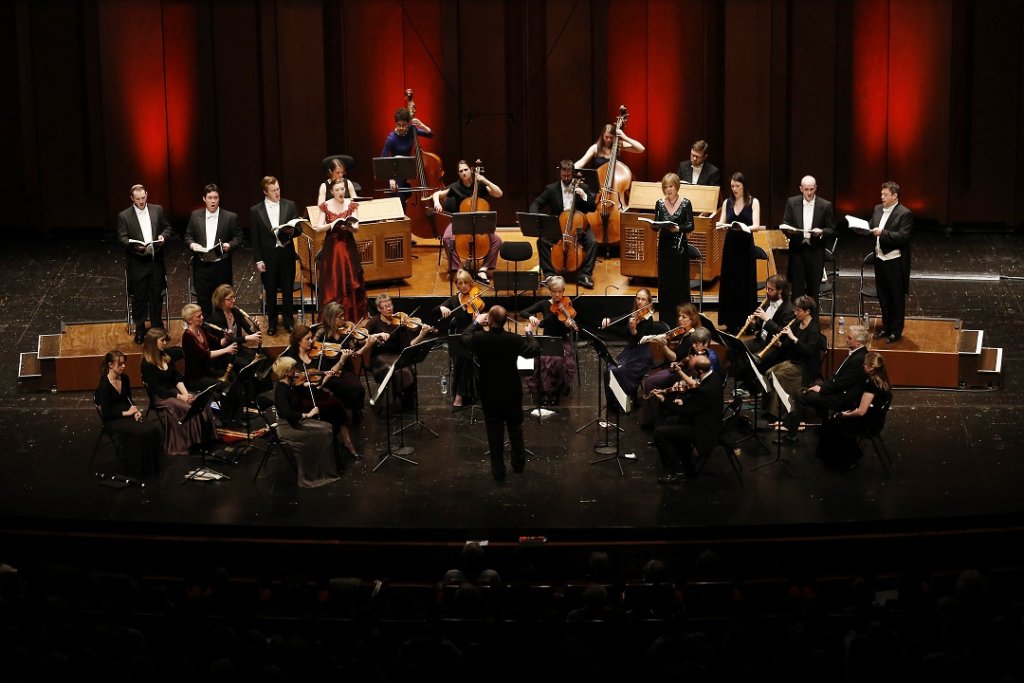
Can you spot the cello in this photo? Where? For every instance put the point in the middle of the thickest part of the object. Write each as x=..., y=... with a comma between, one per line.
x=567, y=253
x=472, y=249
x=429, y=172
x=615, y=179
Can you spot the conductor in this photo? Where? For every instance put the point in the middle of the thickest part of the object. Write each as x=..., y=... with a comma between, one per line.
x=501, y=390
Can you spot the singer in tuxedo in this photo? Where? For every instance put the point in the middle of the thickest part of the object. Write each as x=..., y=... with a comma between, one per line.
x=697, y=170
x=275, y=254
x=815, y=219
x=147, y=275
x=501, y=389
x=206, y=228
x=891, y=224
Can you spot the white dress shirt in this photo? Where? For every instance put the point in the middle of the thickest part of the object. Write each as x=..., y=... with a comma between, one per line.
x=879, y=254
x=145, y=223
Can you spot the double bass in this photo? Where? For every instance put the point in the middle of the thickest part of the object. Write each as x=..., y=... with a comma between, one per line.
x=567, y=253
x=615, y=179
x=470, y=249
x=429, y=172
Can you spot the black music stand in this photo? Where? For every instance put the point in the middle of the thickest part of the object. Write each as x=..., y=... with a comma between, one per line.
x=259, y=367
x=605, y=363
x=540, y=226
x=402, y=449
x=412, y=356
x=397, y=169
x=199, y=405
x=786, y=402
x=749, y=375
x=474, y=223
x=549, y=346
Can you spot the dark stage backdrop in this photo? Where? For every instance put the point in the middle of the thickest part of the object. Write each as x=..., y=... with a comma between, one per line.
x=176, y=94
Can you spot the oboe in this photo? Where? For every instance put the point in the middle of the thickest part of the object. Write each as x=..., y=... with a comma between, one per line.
x=750, y=318
x=775, y=340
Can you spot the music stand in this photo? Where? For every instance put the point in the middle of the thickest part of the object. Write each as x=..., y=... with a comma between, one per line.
x=540, y=226
x=397, y=169
x=474, y=223
x=412, y=356
x=786, y=401
x=199, y=405
x=750, y=375
x=259, y=367
x=549, y=346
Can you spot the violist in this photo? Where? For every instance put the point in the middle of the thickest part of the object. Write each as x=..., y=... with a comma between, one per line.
x=460, y=310
x=557, y=316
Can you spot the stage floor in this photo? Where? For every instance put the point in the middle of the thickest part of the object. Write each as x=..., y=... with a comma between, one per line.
x=957, y=457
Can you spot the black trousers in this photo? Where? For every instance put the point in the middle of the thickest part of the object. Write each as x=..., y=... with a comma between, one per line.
x=207, y=277
x=892, y=295
x=675, y=445
x=146, y=290
x=280, y=275
x=495, y=421
x=806, y=264
x=589, y=245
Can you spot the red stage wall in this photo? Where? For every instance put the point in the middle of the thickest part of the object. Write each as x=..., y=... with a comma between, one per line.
x=177, y=93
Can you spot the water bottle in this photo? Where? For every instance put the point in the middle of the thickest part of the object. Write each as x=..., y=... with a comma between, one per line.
x=842, y=325
x=444, y=384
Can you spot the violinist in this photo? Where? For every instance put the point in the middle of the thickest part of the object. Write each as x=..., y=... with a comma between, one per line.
x=559, y=197
x=330, y=407
x=390, y=333
x=693, y=419
x=460, y=311
x=309, y=440
x=667, y=348
x=399, y=142
x=204, y=350
x=673, y=262
x=347, y=363
x=557, y=316
x=166, y=389
x=635, y=360
x=340, y=267
x=454, y=197
x=599, y=153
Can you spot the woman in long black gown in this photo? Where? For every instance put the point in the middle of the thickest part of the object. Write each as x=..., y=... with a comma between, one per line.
x=737, y=294
x=673, y=262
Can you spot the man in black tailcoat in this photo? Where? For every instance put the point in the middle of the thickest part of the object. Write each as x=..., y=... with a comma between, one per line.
x=207, y=228
x=501, y=389
x=143, y=229
x=275, y=253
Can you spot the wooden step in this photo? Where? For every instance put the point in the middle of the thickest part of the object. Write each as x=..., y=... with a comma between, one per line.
x=49, y=346
x=29, y=365
x=980, y=366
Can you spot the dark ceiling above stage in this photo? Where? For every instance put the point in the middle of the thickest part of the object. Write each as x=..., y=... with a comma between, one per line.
x=177, y=94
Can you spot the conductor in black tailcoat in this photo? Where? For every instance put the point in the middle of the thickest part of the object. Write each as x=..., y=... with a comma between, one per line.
x=275, y=254
x=500, y=388
x=206, y=228
x=147, y=276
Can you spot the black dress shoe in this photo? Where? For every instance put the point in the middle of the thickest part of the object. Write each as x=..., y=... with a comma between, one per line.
x=787, y=439
x=882, y=333
x=139, y=338
x=893, y=338
x=674, y=478
x=272, y=330
x=586, y=282
x=288, y=326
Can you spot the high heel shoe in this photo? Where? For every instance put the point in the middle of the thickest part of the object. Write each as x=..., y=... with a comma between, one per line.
x=352, y=450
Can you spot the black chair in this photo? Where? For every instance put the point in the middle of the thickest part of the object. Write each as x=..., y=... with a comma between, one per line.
x=515, y=253
x=350, y=164
x=761, y=255
x=111, y=436
x=694, y=256
x=725, y=442
x=160, y=412
x=872, y=432
x=868, y=288
x=828, y=285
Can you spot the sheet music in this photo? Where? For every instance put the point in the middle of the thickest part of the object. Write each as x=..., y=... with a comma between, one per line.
x=624, y=401
x=858, y=225
x=785, y=399
x=757, y=373
x=383, y=384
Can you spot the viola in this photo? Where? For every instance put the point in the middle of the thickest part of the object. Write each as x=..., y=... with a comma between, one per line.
x=310, y=376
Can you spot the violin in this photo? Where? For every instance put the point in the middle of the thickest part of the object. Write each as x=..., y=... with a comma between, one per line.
x=677, y=332
x=471, y=302
x=310, y=376
x=405, y=320
x=354, y=330
x=323, y=348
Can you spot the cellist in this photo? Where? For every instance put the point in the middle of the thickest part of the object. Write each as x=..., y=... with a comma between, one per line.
x=454, y=197
x=559, y=197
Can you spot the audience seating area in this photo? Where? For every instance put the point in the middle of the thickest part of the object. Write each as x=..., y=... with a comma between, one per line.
x=607, y=623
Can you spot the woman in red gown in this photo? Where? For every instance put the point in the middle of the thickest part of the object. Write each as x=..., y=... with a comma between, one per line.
x=340, y=268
